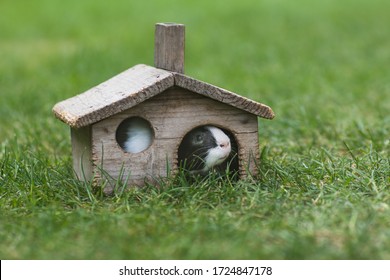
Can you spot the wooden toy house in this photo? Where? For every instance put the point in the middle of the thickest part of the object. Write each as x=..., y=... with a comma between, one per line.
x=171, y=103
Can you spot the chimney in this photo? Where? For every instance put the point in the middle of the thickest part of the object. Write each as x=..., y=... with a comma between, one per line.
x=169, y=47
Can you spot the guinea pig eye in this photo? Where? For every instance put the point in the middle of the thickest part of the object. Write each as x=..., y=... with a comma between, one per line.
x=198, y=139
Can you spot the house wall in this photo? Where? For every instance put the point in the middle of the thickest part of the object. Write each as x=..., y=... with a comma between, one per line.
x=81, y=152
x=172, y=114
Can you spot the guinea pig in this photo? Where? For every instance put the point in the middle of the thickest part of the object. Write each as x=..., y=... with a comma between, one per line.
x=203, y=149
x=134, y=135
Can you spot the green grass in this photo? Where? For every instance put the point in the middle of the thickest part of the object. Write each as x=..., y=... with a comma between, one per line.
x=323, y=191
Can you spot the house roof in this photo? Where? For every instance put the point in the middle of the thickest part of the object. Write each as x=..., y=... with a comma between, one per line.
x=136, y=85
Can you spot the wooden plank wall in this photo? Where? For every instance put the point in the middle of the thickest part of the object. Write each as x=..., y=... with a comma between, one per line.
x=172, y=114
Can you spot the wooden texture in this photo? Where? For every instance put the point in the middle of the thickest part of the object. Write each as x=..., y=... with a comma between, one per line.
x=119, y=93
x=172, y=114
x=173, y=103
x=82, y=152
x=169, y=47
x=224, y=96
x=136, y=85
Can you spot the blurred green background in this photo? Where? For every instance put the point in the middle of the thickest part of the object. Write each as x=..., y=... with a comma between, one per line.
x=323, y=66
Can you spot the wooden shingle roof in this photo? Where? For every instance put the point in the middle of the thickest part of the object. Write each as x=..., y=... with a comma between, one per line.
x=136, y=85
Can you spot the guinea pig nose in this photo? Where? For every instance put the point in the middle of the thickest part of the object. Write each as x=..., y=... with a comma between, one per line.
x=224, y=144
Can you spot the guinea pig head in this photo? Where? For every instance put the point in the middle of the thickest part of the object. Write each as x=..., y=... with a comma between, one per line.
x=204, y=147
x=220, y=150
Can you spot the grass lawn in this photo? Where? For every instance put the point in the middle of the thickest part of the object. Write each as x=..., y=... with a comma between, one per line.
x=323, y=191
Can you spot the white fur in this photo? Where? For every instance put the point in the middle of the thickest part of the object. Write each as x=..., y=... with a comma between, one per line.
x=139, y=137
x=218, y=154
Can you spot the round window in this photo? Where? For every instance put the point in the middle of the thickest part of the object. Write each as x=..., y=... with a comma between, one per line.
x=134, y=135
